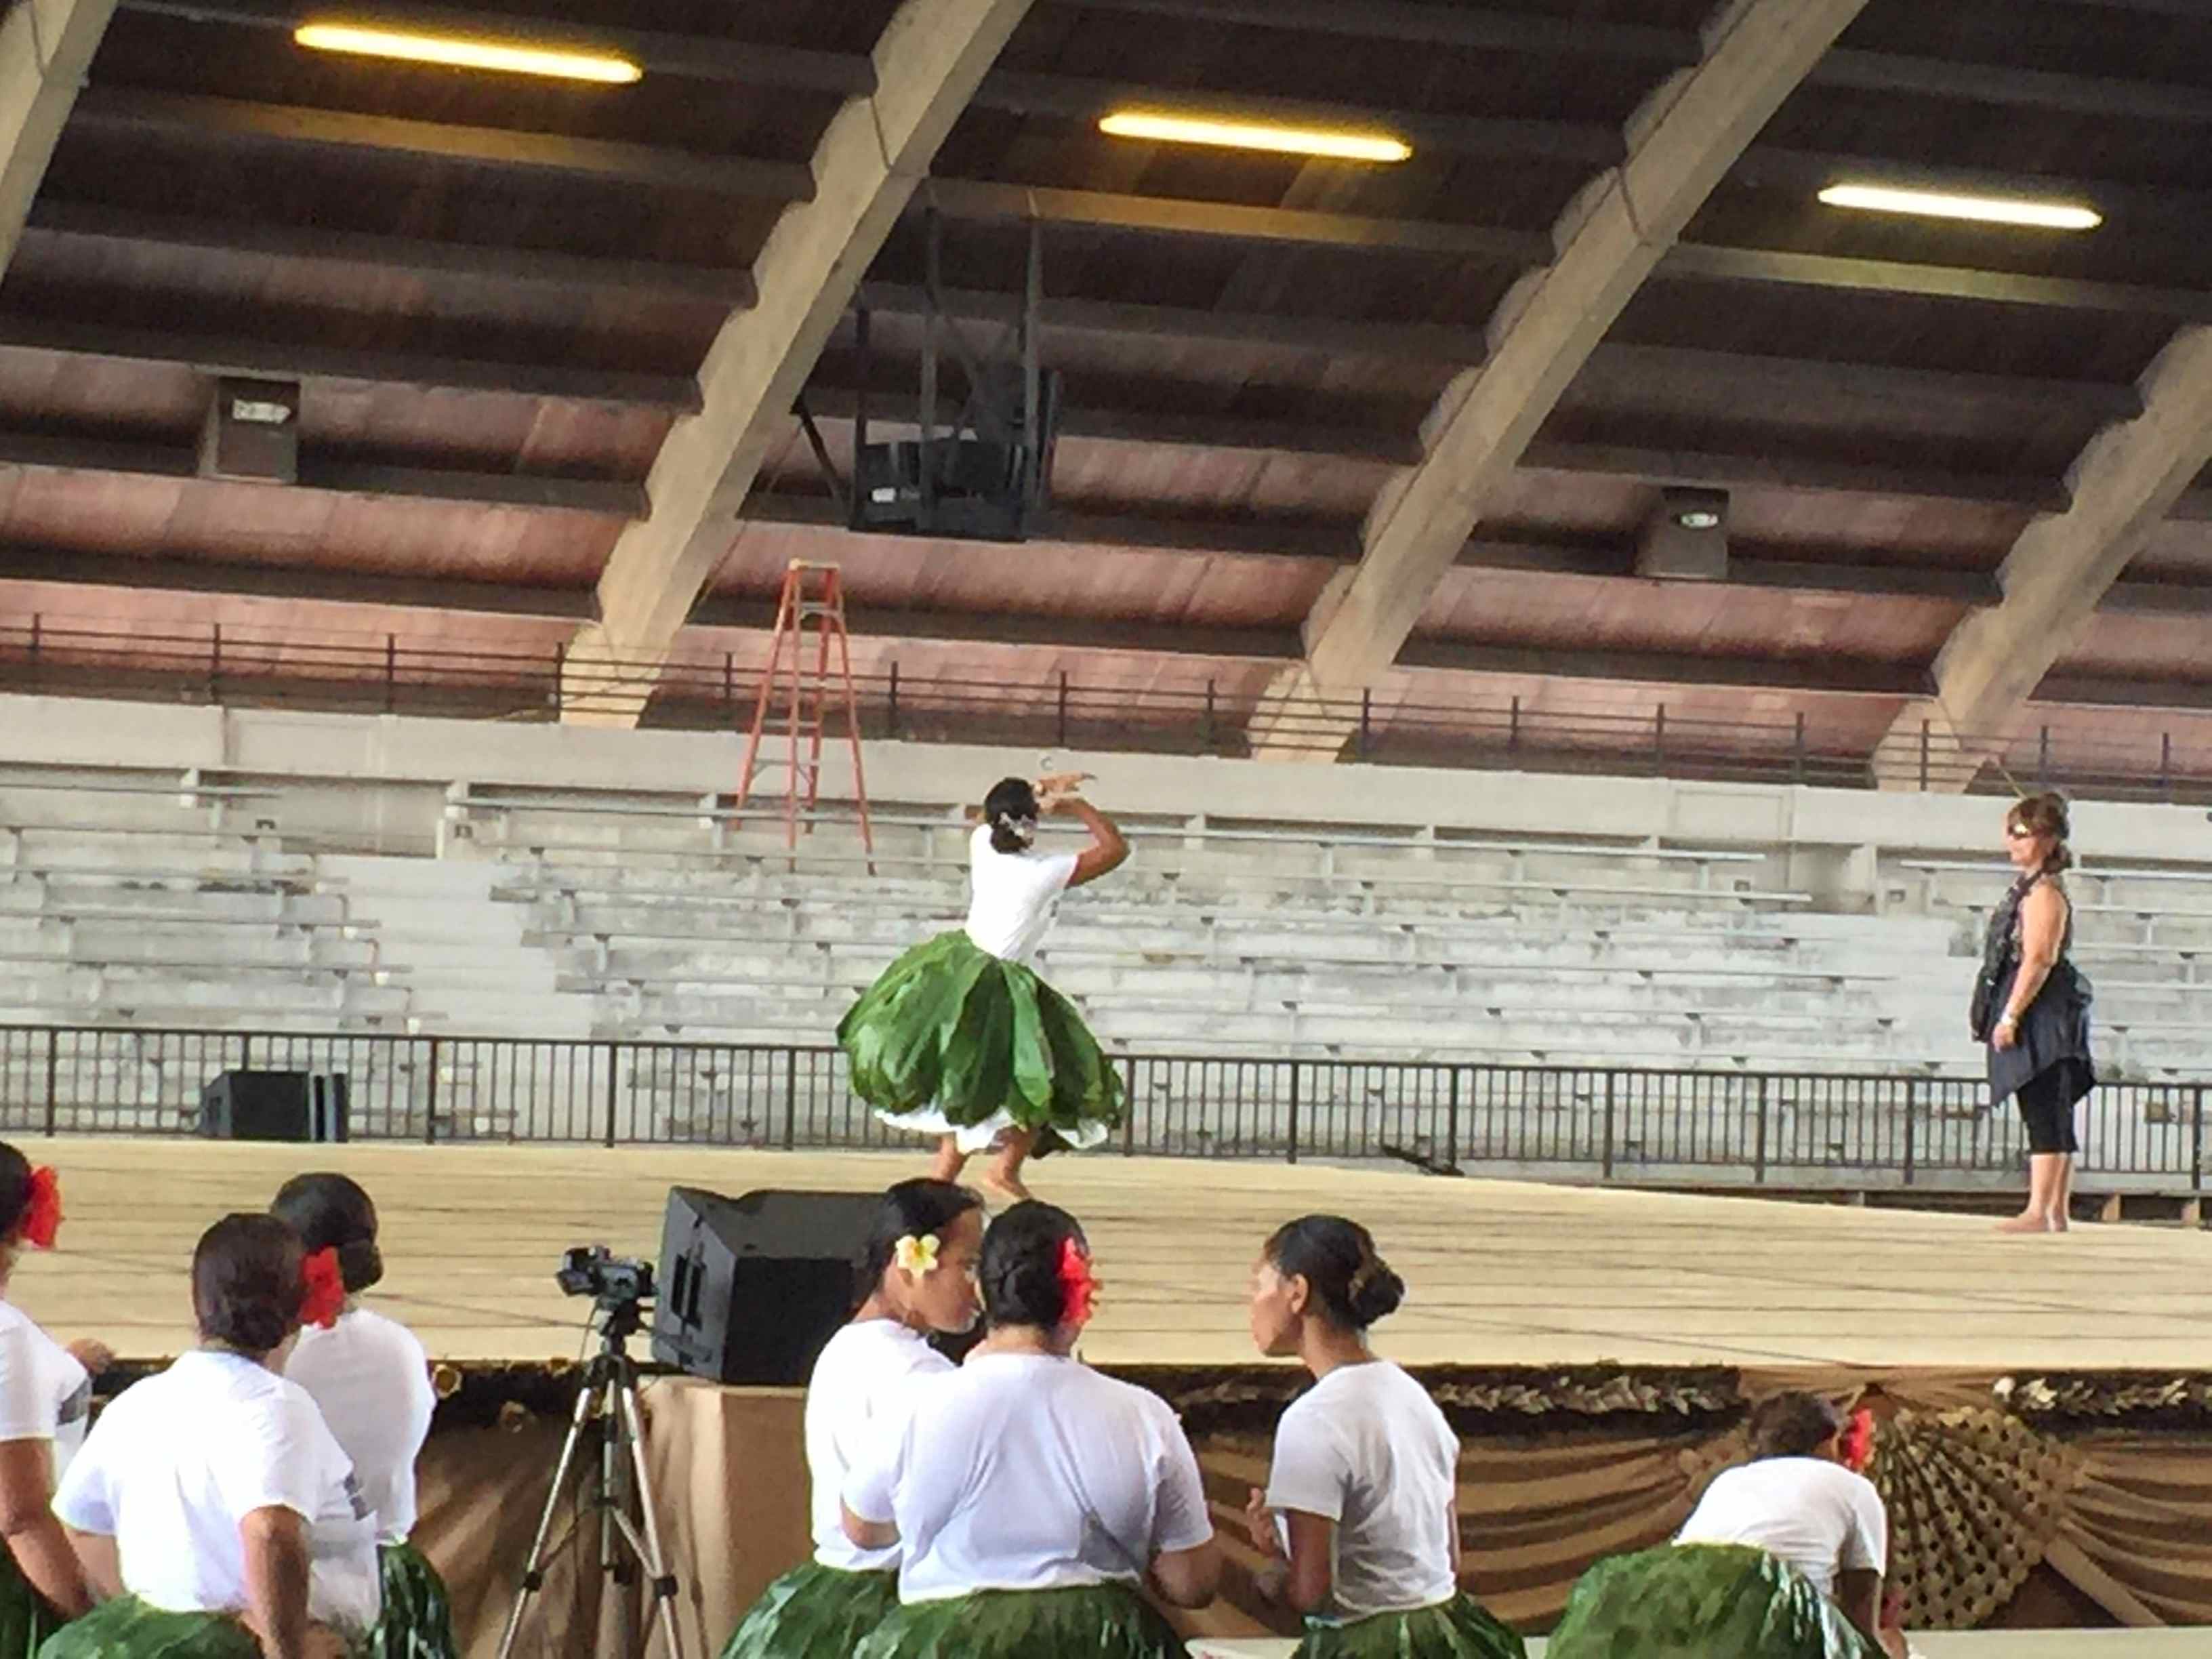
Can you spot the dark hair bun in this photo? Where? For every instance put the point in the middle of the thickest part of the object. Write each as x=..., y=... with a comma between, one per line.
x=1379, y=1297
x=333, y=1212
x=1351, y=1286
x=15, y=1188
x=1020, y=1269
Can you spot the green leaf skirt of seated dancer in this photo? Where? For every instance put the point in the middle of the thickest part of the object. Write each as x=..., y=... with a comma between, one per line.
x=26, y=1621
x=1458, y=1629
x=1703, y=1601
x=128, y=1628
x=949, y=1027
x=417, y=1621
x=1097, y=1621
x=814, y=1612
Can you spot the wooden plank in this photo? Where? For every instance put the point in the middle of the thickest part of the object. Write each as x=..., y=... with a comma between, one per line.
x=45, y=51
x=1799, y=473
x=211, y=355
x=1667, y=668
x=57, y=221
x=742, y=62
x=344, y=477
x=982, y=201
x=1502, y=1273
x=167, y=113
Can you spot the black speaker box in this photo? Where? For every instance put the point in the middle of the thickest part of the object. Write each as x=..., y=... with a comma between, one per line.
x=752, y=1287
x=304, y=1106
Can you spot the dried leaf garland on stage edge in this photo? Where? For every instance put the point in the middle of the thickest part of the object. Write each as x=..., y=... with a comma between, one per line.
x=2057, y=1402
x=1491, y=1400
x=1486, y=1400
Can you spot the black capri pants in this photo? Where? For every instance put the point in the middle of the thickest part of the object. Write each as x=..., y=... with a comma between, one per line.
x=2046, y=1107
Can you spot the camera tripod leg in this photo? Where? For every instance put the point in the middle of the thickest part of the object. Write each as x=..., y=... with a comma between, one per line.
x=659, y=1579
x=533, y=1575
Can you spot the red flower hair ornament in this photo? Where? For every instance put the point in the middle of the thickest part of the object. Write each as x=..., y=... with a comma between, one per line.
x=41, y=1221
x=1858, y=1441
x=323, y=1293
x=1079, y=1290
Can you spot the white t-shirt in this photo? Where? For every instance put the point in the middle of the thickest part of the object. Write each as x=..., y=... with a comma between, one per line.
x=1366, y=1447
x=45, y=1394
x=179, y=1459
x=861, y=1380
x=371, y=1380
x=1026, y=1472
x=1014, y=895
x=1817, y=1515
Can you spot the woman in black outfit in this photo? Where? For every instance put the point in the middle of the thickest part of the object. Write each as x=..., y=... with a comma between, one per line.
x=2032, y=1007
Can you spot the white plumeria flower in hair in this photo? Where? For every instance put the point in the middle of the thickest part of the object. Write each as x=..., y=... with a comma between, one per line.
x=917, y=1256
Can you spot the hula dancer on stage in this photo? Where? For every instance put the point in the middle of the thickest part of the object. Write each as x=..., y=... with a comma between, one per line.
x=212, y=1504
x=1029, y=1495
x=1783, y=1558
x=920, y=1267
x=371, y=1380
x=45, y=1392
x=1360, y=1520
x=959, y=1038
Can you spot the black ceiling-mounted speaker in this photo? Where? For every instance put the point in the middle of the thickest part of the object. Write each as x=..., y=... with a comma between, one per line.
x=251, y=433
x=752, y=1287
x=1686, y=539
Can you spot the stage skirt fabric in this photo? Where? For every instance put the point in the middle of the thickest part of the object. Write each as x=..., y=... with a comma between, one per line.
x=1700, y=1600
x=951, y=1039
x=127, y=1628
x=1098, y=1621
x=1458, y=1629
x=26, y=1621
x=814, y=1612
x=417, y=1621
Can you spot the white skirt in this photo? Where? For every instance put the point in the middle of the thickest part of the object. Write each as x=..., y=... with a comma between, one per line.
x=980, y=1137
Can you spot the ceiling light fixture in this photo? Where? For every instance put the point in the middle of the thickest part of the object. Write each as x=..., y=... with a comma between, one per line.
x=1337, y=144
x=1988, y=209
x=455, y=51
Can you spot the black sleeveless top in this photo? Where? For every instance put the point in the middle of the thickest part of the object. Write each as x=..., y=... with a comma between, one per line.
x=2054, y=1029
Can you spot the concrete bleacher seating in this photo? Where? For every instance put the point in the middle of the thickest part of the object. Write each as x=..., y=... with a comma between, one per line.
x=557, y=918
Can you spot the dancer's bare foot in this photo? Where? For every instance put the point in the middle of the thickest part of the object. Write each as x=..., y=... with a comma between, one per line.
x=949, y=1161
x=2025, y=1223
x=1008, y=1181
x=2058, y=1223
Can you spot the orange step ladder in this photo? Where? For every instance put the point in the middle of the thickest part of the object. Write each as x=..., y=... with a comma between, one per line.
x=813, y=594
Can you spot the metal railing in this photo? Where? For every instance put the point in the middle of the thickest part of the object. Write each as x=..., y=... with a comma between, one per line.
x=1620, y=1124
x=389, y=673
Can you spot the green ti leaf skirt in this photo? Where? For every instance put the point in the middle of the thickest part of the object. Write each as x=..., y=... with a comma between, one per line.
x=1097, y=1621
x=1703, y=1601
x=953, y=1037
x=814, y=1612
x=1458, y=1629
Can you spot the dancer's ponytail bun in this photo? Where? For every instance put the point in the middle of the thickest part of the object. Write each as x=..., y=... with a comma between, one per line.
x=1351, y=1286
x=1020, y=1271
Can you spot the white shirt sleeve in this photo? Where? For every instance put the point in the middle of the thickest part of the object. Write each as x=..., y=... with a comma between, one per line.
x=1183, y=1521
x=85, y=1500
x=871, y=1478
x=1058, y=870
x=1311, y=1469
x=1866, y=1545
x=26, y=1411
x=283, y=1460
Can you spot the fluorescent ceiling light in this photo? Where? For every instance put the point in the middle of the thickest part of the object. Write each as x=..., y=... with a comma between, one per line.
x=456, y=52
x=1256, y=135
x=1989, y=210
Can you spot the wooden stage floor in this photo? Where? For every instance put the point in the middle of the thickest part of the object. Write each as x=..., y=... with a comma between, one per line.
x=1502, y=1273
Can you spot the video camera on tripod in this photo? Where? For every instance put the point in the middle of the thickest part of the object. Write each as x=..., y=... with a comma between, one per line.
x=605, y=1450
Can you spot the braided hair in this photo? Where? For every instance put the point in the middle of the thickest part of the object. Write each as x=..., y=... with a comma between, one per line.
x=1351, y=1284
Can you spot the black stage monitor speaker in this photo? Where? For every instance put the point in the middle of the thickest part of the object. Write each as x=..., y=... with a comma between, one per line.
x=307, y=1106
x=752, y=1287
